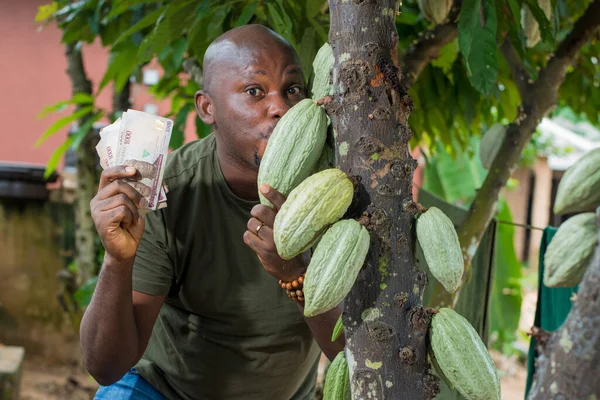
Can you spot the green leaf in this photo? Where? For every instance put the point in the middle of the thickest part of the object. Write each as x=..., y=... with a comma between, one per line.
x=202, y=130
x=307, y=51
x=279, y=24
x=506, y=298
x=78, y=98
x=447, y=57
x=122, y=6
x=120, y=67
x=57, y=156
x=62, y=122
x=83, y=295
x=46, y=11
x=85, y=129
x=546, y=30
x=478, y=44
x=148, y=20
x=338, y=329
x=246, y=15
x=178, y=134
x=313, y=8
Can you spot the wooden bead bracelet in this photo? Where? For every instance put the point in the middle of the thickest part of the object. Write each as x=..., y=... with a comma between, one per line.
x=295, y=288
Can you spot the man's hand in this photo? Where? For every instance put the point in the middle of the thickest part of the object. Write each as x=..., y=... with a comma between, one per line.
x=115, y=213
x=259, y=237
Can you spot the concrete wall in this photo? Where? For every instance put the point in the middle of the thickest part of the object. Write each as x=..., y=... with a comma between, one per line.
x=34, y=243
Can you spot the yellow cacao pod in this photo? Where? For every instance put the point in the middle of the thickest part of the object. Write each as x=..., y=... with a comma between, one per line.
x=321, y=83
x=463, y=357
x=293, y=148
x=439, y=241
x=530, y=25
x=490, y=144
x=334, y=266
x=315, y=204
x=435, y=11
x=570, y=251
x=337, y=380
x=579, y=188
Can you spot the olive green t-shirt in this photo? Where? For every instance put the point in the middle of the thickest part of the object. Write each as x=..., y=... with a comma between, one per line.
x=231, y=332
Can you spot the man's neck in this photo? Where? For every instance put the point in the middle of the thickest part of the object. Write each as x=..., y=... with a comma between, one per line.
x=240, y=178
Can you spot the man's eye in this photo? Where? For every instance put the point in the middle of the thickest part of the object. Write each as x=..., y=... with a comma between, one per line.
x=254, y=91
x=294, y=90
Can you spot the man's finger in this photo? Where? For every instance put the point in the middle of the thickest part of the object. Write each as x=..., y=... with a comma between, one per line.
x=276, y=198
x=254, y=242
x=264, y=213
x=116, y=202
x=117, y=172
x=120, y=187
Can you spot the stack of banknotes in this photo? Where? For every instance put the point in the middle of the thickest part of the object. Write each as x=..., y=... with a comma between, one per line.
x=141, y=140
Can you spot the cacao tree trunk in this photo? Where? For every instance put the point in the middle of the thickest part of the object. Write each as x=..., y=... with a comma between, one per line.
x=569, y=365
x=121, y=101
x=86, y=243
x=384, y=320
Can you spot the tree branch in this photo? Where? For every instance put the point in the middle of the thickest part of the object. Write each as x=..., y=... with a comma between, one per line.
x=543, y=97
x=428, y=47
x=517, y=69
x=194, y=70
x=573, y=349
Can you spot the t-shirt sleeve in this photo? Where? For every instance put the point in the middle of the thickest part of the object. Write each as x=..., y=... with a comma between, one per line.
x=153, y=268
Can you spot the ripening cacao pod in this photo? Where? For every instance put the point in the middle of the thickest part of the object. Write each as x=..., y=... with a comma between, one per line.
x=530, y=25
x=337, y=380
x=438, y=240
x=435, y=11
x=321, y=83
x=579, y=188
x=334, y=266
x=293, y=148
x=490, y=144
x=570, y=251
x=315, y=204
x=463, y=357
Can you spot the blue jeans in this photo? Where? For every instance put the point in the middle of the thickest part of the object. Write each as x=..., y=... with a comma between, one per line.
x=130, y=387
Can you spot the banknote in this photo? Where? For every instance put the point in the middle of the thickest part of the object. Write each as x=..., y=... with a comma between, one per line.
x=144, y=144
x=141, y=140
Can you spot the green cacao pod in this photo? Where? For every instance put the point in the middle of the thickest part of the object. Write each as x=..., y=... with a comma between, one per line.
x=490, y=144
x=327, y=158
x=462, y=356
x=439, y=241
x=293, y=148
x=337, y=380
x=334, y=266
x=338, y=329
x=321, y=84
x=530, y=25
x=570, y=251
x=315, y=204
x=579, y=188
x=435, y=11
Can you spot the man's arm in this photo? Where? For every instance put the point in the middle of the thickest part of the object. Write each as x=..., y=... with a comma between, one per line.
x=321, y=327
x=117, y=324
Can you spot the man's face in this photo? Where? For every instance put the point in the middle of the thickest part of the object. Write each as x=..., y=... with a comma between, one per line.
x=249, y=96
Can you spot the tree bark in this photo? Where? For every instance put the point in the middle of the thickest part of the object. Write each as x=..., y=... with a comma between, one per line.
x=86, y=243
x=569, y=366
x=121, y=100
x=384, y=320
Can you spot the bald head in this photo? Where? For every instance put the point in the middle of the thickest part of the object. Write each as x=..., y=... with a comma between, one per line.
x=240, y=43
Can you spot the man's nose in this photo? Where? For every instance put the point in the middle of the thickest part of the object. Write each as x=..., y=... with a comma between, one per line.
x=278, y=105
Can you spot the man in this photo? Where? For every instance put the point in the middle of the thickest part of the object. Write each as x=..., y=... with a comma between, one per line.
x=189, y=295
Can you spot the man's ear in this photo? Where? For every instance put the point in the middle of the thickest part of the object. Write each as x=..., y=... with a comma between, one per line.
x=204, y=107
